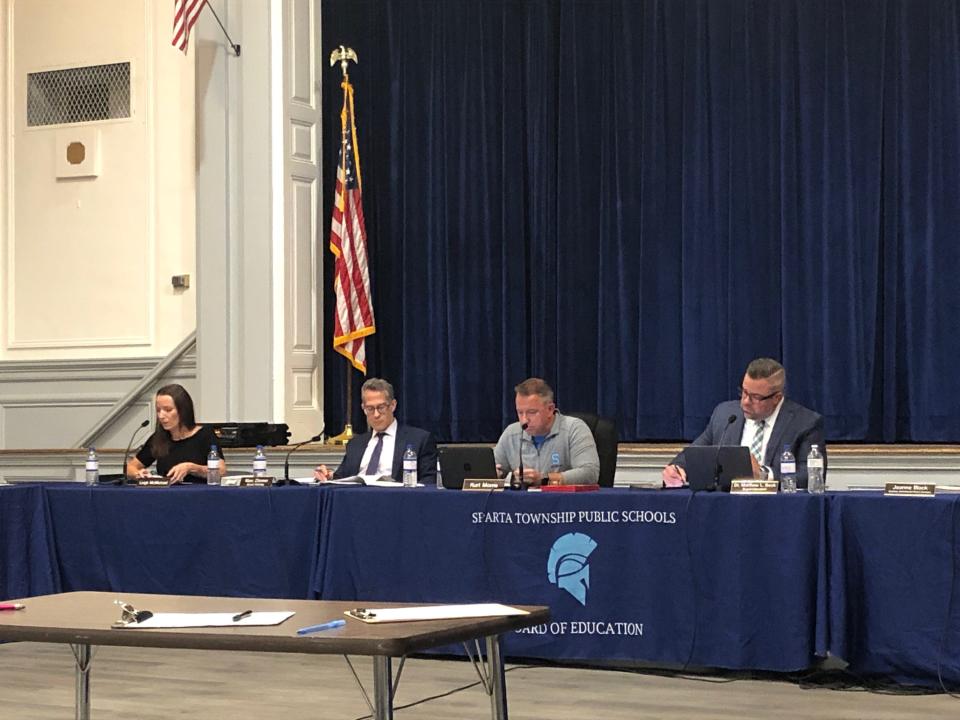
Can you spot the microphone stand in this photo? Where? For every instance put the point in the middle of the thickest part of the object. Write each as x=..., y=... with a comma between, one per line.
x=126, y=453
x=286, y=460
x=517, y=482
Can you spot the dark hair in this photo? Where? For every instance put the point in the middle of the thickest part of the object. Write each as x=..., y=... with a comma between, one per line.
x=767, y=368
x=535, y=386
x=160, y=440
x=378, y=385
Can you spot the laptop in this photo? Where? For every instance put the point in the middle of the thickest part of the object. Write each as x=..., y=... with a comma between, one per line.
x=460, y=461
x=704, y=463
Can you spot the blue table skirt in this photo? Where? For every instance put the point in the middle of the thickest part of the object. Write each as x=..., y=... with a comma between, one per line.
x=895, y=586
x=27, y=557
x=670, y=577
x=661, y=577
x=190, y=540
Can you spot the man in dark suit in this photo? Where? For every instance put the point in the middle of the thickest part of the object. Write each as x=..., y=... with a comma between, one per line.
x=379, y=451
x=764, y=420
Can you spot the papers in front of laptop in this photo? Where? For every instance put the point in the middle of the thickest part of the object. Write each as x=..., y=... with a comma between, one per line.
x=371, y=480
x=433, y=612
x=188, y=620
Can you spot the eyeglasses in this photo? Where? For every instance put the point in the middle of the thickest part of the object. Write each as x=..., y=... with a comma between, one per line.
x=754, y=397
x=375, y=409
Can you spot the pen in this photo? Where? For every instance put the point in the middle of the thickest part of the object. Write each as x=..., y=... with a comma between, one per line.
x=12, y=606
x=322, y=626
x=241, y=616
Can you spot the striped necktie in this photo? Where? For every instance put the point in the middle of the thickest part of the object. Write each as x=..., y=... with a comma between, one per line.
x=757, y=443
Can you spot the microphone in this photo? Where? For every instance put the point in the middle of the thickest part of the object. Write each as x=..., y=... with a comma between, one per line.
x=126, y=453
x=286, y=460
x=717, y=467
x=517, y=482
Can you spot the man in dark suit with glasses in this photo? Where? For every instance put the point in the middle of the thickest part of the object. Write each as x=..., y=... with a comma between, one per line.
x=379, y=451
x=764, y=420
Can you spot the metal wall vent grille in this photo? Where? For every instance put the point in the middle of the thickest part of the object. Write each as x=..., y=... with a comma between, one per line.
x=77, y=95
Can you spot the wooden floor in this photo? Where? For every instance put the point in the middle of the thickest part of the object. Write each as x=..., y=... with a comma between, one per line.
x=146, y=684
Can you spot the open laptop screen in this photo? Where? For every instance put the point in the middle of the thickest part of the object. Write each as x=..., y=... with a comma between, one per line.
x=460, y=461
x=706, y=464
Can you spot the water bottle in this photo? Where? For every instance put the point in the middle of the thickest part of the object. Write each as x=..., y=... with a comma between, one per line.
x=815, y=479
x=259, y=463
x=93, y=467
x=409, y=467
x=788, y=471
x=213, y=466
x=439, y=476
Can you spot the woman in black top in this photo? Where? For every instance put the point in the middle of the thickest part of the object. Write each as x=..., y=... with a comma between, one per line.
x=179, y=446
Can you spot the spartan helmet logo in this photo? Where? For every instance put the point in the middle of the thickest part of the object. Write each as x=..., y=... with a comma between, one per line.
x=567, y=566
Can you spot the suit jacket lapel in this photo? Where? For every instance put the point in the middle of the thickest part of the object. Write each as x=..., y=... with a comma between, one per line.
x=779, y=432
x=399, y=445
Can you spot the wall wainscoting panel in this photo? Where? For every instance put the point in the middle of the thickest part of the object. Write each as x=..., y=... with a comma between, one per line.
x=51, y=404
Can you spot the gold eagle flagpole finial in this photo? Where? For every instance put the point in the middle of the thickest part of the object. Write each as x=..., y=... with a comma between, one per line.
x=343, y=55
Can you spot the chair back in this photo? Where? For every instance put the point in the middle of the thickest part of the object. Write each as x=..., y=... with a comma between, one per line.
x=607, y=438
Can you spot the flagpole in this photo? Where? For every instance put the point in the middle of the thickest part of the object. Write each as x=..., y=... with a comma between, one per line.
x=233, y=46
x=343, y=55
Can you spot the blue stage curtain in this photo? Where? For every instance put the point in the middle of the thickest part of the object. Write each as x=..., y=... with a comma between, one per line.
x=633, y=199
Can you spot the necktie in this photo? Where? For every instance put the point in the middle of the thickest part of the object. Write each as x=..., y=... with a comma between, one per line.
x=373, y=467
x=757, y=443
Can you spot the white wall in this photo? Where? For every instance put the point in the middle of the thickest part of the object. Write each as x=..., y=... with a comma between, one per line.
x=86, y=303
x=88, y=261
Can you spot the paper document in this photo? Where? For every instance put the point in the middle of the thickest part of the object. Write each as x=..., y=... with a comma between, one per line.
x=188, y=620
x=433, y=612
x=370, y=480
x=352, y=480
x=380, y=481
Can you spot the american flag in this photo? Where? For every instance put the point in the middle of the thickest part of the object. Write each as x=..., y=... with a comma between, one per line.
x=353, y=316
x=185, y=14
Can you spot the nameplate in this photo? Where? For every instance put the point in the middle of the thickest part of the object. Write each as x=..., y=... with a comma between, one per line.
x=482, y=485
x=754, y=487
x=154, y=481
x=254, y=481
x=911, y=489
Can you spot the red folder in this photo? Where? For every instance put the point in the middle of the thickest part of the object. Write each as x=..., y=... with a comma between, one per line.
x=569, y=488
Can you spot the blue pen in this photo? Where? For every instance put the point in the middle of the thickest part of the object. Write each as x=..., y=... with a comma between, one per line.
x=322, y=626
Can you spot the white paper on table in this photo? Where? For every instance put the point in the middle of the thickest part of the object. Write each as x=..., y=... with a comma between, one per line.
x=370, y=480
x=434, y=612
x=380, y=481
x=187, y=620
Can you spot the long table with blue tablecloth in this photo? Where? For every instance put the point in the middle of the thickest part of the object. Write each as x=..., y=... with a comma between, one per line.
x=668, y=578
x=671, y=578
